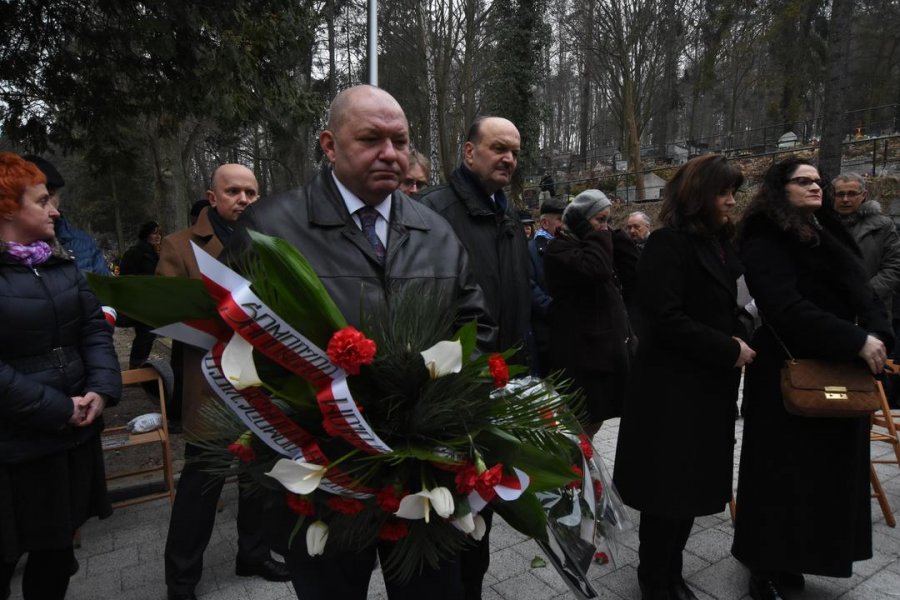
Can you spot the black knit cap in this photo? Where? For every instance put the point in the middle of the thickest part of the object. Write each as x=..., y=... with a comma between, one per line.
x=553, y=206
x=54, y=179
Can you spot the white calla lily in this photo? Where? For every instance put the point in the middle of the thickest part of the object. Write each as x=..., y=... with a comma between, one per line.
x=480, y=528
x=297, y=476
x=316, y=538
x=443, y=358
x=237, y=363
x=465, y=523
x=442, y=502
x=419, y=505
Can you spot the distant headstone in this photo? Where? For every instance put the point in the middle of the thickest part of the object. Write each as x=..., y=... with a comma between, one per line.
x=788, y=140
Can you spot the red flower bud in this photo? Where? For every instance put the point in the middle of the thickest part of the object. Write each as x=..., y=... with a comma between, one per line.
x=499, y=370
x=393, y=530
x=300, y=505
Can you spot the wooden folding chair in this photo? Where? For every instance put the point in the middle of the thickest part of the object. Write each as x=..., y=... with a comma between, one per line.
x=119, y=438
x=884, y=429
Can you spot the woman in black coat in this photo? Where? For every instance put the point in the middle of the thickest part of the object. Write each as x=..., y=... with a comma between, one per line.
x=803, y=488
x=675, y=450
x=58, y=370
x=588, y=321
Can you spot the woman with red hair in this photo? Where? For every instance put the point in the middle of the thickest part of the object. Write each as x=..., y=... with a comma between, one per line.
x=58, y=369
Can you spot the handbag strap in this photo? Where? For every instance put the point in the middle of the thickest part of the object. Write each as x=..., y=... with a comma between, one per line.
x=778, y=339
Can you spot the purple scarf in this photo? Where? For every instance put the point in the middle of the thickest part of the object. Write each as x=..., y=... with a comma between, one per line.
x=30, y=255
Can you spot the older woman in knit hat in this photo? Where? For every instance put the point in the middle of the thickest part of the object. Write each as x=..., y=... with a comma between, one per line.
x=588, y=322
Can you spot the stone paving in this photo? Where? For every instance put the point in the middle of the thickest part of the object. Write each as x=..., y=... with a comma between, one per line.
x=121, y=558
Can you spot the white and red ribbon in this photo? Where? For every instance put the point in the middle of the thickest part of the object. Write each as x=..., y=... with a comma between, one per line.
x=269, y=334
x=510, y=488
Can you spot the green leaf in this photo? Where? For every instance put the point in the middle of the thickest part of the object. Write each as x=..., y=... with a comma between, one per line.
x=525, y=515
x=537, y=562
x=287, y=283
x=156, y=301
x=467, y=336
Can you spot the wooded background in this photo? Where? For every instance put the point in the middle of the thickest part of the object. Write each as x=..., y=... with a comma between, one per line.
x=137, y=102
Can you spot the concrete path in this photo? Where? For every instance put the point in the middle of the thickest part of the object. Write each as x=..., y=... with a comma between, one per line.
x=121, y=558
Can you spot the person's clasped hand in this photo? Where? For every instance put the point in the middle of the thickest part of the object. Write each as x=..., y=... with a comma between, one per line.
x=874, y=353
x=747, y=353
x=86, y=409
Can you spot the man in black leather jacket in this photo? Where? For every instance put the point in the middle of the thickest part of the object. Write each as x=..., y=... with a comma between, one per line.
x=365, y=240
x=475, y=205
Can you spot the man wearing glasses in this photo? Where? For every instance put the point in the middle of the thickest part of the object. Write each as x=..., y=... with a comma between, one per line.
x=874, y=233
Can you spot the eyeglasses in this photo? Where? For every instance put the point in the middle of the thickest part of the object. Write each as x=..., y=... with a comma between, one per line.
x=414, y=182
x=850, y=194
x=805, y=182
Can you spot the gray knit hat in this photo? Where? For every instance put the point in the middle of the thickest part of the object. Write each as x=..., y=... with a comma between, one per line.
x=588, y=203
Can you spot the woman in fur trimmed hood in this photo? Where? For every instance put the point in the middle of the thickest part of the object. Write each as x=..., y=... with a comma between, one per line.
x=58, y=370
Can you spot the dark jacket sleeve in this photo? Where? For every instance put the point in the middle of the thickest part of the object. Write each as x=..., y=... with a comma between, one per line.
x=667, y=257
x=568, y=257
x=30, y=404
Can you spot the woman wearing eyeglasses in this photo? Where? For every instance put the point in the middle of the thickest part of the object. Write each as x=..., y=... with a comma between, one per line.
x=803, y=488
x=588, y=322
x=674, y=459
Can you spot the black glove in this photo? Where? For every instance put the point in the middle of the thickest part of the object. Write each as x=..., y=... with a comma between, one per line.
x=578, y=224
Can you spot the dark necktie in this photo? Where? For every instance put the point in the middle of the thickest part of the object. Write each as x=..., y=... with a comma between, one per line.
x=367, y=217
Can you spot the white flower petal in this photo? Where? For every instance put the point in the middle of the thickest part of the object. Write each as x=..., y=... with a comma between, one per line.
x=442, y=501
x=480, y=528
x=297, y=476
x=415, y=506
x=237, y=363
x=465, y=523
x=316, y=538
x=443, y=358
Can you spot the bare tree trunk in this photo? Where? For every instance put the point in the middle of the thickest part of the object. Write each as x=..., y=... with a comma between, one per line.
x=835, y=87
x=633, y=140
x=433, y=138
x=584, y=116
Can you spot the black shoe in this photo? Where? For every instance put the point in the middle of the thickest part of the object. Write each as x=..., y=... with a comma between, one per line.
x=763, y=587
x=268, y=569
x=791, y=581
x=653, y=592
x=187, y=596
x=74, y=568
x=679, y=590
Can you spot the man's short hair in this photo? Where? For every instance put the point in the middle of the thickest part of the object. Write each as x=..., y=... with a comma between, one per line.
x=474, y=133
x=642, y=215
x=852, y=178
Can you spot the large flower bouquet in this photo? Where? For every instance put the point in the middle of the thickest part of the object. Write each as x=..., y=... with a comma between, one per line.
x=400, y=431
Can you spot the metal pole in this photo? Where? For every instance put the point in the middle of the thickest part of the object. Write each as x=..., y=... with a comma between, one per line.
x=373, y=42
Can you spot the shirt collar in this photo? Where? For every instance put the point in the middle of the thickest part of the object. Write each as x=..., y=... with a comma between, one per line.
x=353, y=203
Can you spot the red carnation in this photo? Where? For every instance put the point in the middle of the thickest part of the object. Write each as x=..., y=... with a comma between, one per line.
x=487, y=480
x=586, y=448
x=466, y=477
x=243, y=451
x=349, y=349
x=393, y=530
x=300, y=505
x=499, y=370
x=601, y=558
x=576, y=483
x=345, y=506
x=388, y=499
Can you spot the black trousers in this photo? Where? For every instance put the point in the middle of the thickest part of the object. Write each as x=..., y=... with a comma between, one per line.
x=476, y=559
x=346, y=576
x=46, y=575
x=141, y=346
x=662, y=540
x=193, y=517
